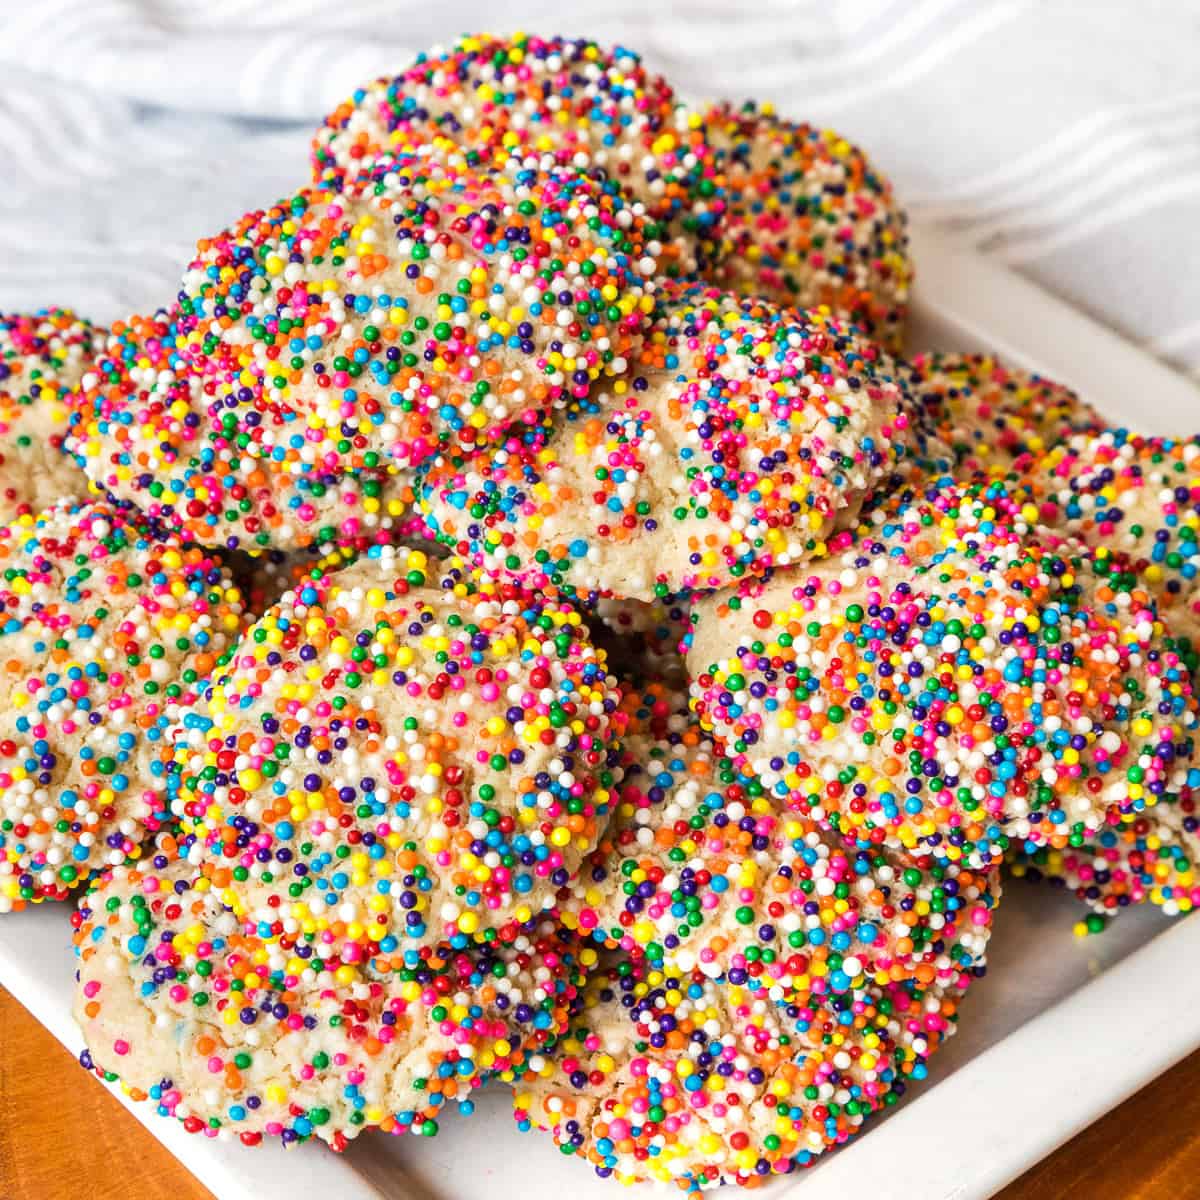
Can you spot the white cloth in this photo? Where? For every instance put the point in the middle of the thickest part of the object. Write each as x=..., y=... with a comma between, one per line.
x=1062, y=136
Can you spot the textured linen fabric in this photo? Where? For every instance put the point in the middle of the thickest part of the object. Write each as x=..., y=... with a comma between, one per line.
x=1060, y=136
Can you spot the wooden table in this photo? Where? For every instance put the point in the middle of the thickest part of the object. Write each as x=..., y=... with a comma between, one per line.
x=1148, y=1149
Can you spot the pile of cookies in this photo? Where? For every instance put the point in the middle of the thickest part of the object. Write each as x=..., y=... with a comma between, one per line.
x=516, y=615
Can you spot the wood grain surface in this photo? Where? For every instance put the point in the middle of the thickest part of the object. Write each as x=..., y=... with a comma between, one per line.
x=58, y=1130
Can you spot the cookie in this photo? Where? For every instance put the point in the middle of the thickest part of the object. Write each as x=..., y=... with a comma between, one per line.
x=240, y=1026
x=393, y=729
x=542, y=102
x=1149, y=861
x=808, y=221
x=748, y=439
x=697, y=1082
x=952, y=685
x=760, y=963
x=150, y=433
x=108, y=634
x=430, y=308
x=42, y=358
x=1135, y=497
x=991, y=415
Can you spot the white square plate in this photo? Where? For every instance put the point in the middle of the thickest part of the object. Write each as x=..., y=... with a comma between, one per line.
x=1060, y=1031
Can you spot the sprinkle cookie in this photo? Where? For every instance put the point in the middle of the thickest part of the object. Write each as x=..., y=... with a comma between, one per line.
x=239, y=1025
x=542, y=102
x=42, y=359
x=1136, y=496
x=430, y=309
x=150, y=434
x=680, y=1078
x=107, y=635
x=749, y=943
x=949, y=686
x=1152, y=860
x=808, y=221
x=992, y=415
x=748, y=438
x=424, y=759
